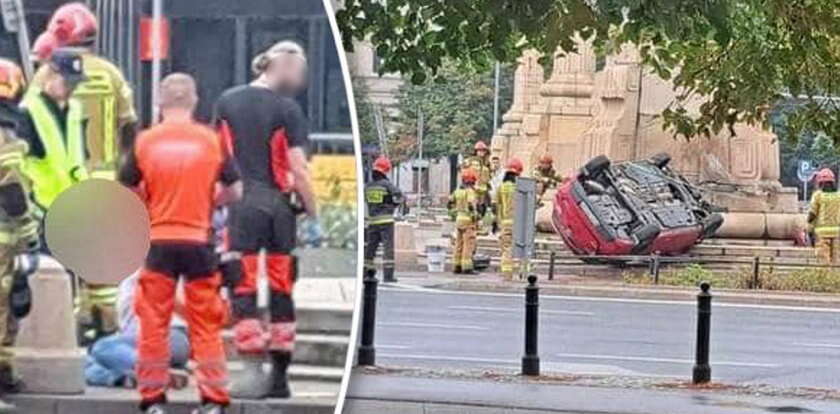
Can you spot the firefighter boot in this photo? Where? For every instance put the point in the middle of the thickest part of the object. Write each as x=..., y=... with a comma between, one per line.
x=279, y=379
x=457, y=269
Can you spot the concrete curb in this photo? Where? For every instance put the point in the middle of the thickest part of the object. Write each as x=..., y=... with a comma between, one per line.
x=51, y=404
x=814, y=300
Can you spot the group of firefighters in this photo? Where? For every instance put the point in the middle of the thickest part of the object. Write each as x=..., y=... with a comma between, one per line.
x=472, y=205
x=76, y=120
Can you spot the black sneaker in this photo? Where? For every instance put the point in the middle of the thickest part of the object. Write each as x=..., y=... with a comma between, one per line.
x=279, y=377
x=210, y=408
x=155, y=409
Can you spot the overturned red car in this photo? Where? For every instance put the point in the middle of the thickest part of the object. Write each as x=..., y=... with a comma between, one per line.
x=631, y=208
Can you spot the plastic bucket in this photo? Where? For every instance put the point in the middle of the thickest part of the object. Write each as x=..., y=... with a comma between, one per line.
x=435, y=259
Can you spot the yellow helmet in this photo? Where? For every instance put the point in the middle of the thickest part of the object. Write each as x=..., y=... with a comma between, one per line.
x=12, y=82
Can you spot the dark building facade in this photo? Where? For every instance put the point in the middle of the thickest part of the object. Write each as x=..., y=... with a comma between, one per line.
x=214, y=40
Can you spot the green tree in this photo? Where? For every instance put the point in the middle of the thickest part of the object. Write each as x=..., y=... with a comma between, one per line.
x=457, y=110
x=740, y=56
x=365, y=113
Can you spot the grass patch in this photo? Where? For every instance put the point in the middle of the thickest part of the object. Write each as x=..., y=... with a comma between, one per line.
x=817, y=280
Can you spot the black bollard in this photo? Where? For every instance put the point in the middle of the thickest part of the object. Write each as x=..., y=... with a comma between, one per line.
x=531, y=361
x=551, y=265
x=702, y=370
x=756, y=272
x=367, y=352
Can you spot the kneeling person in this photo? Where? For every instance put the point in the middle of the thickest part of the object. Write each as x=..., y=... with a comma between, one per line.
x=176, y=166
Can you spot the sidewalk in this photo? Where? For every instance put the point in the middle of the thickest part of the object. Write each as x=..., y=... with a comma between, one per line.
x=564, y=285
x=388, y=393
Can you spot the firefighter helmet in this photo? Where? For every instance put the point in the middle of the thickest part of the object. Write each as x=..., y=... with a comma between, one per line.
x=382, y=164
x=468, y=176
x=825, y=175
x=515, y=166
x=480, y=145
x=546, y=160
x=44, y=46
x=12, y=82
x=73, y=25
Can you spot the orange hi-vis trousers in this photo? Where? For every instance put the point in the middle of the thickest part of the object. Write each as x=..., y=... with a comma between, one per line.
x=205, y=314
x=249, y=333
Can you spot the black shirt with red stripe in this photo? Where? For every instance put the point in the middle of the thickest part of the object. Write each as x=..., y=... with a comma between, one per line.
x=261, y=126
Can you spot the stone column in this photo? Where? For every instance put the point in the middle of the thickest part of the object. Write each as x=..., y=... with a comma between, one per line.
x=566, y=106
x=47, y=357
x=527, y=80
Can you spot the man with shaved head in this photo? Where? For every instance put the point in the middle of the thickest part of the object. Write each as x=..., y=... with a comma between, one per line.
x=268, y=134
x=182, y=170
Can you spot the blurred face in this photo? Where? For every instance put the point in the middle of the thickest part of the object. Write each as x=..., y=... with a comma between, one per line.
x=481, y=153
x=495, y=162
x=58, y=89
x=287, y=75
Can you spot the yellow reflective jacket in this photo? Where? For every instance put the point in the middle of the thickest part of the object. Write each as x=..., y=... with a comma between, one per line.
x=505, y=203
x=463, y=205
x=825, y=213
x=64, y=161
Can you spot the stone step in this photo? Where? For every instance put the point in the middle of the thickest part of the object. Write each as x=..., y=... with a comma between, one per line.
x=324, y=318
x=298, y=372
x=310, y=349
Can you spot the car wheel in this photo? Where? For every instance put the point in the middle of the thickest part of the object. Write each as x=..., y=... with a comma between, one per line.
x=711, y=225
x=660, y=160
x=645, y=236
x=595, y=166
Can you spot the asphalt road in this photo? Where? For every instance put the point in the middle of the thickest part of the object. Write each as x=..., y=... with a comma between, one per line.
x=751, y=344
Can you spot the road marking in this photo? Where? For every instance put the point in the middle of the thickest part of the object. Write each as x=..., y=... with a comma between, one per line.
x=393, y=346
x=816, y=345
x=665, y=360
x=517, y=310
x=688, y=302
x=434, y=326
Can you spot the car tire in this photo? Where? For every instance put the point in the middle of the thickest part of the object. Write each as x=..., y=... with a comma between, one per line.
x=595, y=166
x=712, y=224
x=645, y=236
x=660, y=160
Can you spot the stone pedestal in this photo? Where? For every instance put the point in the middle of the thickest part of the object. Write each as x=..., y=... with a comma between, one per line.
x=405, y=247
x=47, y=357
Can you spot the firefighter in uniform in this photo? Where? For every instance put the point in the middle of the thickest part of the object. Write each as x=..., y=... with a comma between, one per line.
x=268, y=133
x=504, y=206
x=463, y=207
x=111, y=122
x=181, y=169
x=546, y=176
x=18, y=225
x=824, y=216
x=382, y=198
x=480, y=164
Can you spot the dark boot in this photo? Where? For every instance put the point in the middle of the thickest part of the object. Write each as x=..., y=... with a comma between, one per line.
x=279, y=379
x=469, y=272
x=457, y=270
x=389, y=276
x=9, y=382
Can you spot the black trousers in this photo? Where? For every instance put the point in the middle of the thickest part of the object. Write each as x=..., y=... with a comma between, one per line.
x=264, y=219
x=376, y=235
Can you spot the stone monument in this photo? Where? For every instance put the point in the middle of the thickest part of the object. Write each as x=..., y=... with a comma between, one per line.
x=582, y=112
